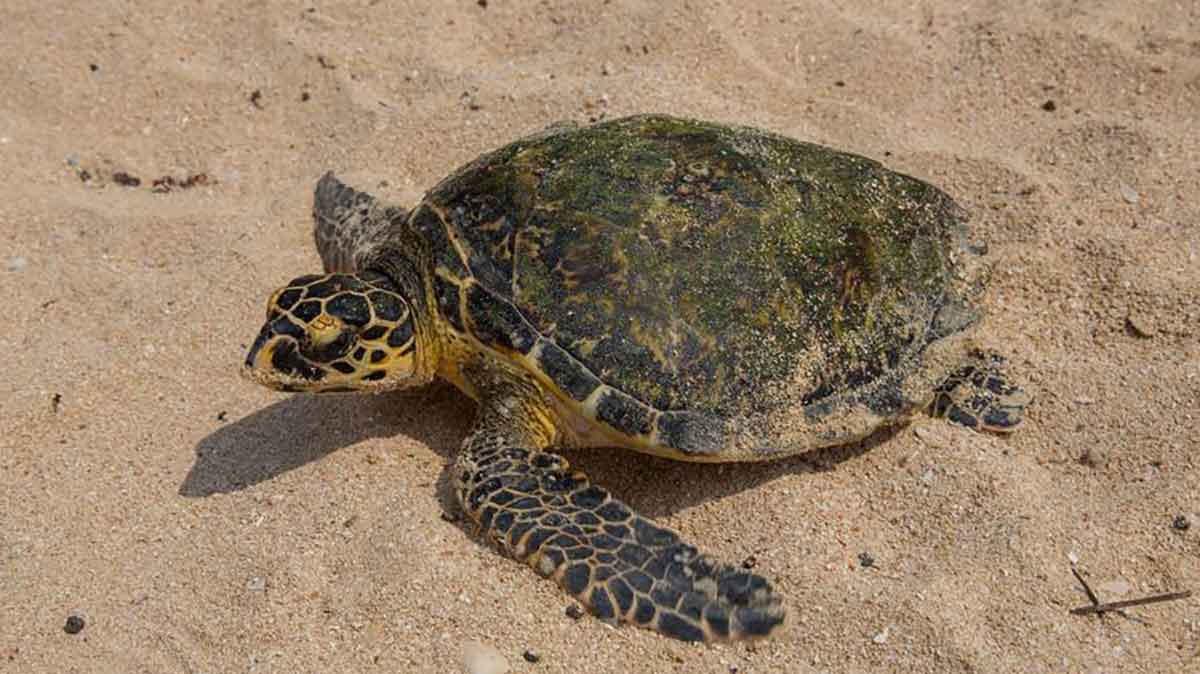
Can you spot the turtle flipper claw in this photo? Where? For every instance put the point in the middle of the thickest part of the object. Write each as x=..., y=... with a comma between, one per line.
x=979, y=396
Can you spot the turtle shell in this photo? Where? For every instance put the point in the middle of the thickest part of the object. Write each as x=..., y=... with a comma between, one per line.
x=690, y=266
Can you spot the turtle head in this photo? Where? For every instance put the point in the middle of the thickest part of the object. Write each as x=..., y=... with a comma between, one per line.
x=338, y=332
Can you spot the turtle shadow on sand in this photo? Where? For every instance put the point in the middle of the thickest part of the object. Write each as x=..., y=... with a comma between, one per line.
x=304, y=428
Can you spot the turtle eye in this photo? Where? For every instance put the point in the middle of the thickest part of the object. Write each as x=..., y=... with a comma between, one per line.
x=327, y=338
x=326, y=350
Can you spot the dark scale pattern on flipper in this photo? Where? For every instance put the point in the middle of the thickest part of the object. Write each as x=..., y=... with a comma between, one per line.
x=347, y=223
x=978, y=396
x=622, y=566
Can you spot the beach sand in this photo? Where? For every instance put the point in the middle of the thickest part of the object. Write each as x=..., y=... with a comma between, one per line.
x=199, y=523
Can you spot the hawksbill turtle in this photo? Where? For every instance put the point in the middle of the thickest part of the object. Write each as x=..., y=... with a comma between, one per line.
x=697, y=291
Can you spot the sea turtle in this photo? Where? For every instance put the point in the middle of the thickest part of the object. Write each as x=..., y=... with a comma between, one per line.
x=692, y=290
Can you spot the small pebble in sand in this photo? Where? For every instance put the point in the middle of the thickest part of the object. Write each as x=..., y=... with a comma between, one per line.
x=866, y=560
x=74, y=624
x=1050, y=106
x=1114, y=588
x=124, y=179
x=882, y=637
x=931, y=434
x=257, y=584
x=574, y=611
x=1181, y=523
x=1094, y=456
x=531, y=656
x=1129, y=194
x=16, y=263
x=1138, y=325
x=483, y=659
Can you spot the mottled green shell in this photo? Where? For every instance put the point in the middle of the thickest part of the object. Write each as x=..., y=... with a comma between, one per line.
x=722, y=270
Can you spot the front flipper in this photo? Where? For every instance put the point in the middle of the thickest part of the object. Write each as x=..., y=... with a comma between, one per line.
x=978, y=396
x=347, y=223
x=619, y=564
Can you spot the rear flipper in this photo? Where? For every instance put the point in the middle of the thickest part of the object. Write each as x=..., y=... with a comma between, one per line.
x=978, y=396
x=619, y=564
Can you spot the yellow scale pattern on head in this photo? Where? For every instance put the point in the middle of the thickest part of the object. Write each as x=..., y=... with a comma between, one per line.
x=371, y=351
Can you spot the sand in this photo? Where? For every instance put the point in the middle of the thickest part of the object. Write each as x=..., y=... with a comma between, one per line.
x=198, y=523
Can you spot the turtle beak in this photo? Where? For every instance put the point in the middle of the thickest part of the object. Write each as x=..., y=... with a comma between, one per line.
x=275, y=361
x=259, y=356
